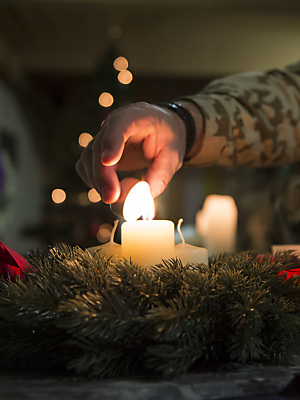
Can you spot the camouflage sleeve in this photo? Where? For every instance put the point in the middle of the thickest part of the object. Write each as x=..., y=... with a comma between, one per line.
x=251, y=119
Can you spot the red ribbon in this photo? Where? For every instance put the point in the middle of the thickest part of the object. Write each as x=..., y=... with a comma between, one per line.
x=12, y=264
x=289, y=272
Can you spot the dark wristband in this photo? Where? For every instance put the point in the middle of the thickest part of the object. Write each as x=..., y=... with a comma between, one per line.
x=189, y=123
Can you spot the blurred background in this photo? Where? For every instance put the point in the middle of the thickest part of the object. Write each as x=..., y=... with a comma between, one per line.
x=57, y=57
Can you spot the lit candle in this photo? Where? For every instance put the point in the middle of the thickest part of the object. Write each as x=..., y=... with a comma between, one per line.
x=189, y=254
x=217, y=223
x=109, y=249
x=146, y=242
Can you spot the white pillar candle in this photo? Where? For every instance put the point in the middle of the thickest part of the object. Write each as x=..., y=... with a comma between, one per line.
x=217, y=224
x=147, y=241
x=189, y=254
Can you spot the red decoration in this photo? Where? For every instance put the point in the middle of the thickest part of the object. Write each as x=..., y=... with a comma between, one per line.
x=289, y=272
x=12, y=264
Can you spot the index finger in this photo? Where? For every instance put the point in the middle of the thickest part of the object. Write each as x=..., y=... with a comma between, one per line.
x=106, y=181
x=113, y=138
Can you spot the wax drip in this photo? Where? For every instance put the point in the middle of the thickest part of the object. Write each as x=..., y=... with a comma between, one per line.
x=113, y=231
x=179, y=230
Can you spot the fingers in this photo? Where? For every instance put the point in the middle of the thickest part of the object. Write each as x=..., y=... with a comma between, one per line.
x=162, y=170
x=111, y=142
x=81, y=172
x=106, y=181
x=84, y=166
x=130, y=123
x=94, y=174
x=126, y=186
x=118, y=128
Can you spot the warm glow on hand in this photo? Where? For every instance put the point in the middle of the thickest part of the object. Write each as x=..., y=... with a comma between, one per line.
x=139, y=202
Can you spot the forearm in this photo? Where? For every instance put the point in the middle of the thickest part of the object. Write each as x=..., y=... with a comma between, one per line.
x=248, y=119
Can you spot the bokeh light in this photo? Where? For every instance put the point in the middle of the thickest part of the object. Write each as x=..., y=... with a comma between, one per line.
x=106, y=99
x=84, y=139
x=120, y=63
x=104, y=233
x=125, y=77
x=94, y=196
x=58, y=196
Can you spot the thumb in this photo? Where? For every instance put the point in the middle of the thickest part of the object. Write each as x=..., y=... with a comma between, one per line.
x=126, y=185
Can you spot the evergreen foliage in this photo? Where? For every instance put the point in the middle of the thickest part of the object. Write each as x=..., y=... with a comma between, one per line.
x=104, y=319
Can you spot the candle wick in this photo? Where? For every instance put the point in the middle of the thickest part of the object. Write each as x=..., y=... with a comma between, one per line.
x=113, y=231
x=179, y=230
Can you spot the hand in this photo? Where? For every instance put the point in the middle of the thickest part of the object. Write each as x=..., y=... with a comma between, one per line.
x=134, y=137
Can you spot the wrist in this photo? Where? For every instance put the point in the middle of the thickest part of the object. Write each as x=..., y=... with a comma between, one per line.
x=187, y=120
x=198, y=117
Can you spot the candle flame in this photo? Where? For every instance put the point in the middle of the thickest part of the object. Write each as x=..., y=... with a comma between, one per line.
x=139, y=202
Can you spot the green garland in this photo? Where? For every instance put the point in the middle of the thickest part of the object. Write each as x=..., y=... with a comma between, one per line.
x=105, y=319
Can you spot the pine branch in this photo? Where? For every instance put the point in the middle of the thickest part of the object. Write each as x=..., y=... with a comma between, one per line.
x=115, y=318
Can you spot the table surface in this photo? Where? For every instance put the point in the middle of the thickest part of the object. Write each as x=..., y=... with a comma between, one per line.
x=247, y=382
